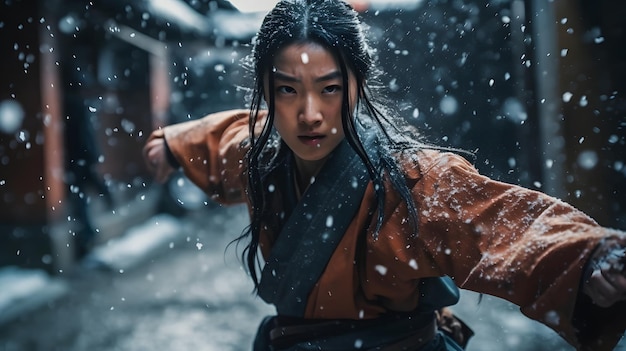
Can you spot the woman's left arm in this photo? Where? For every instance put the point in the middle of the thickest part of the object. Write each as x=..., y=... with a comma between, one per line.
x=536, y=251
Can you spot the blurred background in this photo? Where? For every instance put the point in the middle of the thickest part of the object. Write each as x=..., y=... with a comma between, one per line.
x=535, y=88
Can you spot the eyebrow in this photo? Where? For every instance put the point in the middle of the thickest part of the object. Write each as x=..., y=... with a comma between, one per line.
x=330, y=76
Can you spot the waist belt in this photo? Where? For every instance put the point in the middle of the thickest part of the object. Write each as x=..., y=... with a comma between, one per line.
x=406, y=332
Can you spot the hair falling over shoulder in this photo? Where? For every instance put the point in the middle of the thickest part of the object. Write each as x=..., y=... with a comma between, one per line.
x=335, y=25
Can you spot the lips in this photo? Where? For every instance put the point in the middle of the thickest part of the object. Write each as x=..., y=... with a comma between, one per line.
x=311, y=140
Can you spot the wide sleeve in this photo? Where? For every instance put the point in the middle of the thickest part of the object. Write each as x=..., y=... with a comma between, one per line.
x=211, y=151
x=515, y=243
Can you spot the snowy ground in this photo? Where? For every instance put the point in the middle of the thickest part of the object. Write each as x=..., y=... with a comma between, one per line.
x=172, y=289
x=500, y=326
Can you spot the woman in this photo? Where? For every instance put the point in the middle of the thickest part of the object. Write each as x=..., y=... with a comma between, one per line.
x=359, y=225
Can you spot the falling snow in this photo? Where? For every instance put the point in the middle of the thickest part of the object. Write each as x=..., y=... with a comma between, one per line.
x=382, y=270
x=451, y=67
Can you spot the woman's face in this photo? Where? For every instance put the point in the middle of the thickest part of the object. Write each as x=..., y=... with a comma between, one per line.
x=308, y=92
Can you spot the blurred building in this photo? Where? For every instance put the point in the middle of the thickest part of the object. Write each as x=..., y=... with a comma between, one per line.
x=537, y=88
x=83, y=84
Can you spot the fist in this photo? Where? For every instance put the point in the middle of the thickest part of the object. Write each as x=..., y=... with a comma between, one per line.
x=606, y=281
x=156, y=159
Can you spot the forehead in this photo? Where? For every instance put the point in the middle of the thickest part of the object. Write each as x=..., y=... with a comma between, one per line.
x=310, y=57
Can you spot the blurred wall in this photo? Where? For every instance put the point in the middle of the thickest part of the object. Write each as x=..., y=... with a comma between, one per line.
x=536, y=88
x=30, y=183
x=584, y=40
x=60, y=64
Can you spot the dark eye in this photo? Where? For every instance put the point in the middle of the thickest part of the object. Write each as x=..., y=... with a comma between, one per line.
x=332, y=89
x=284, y=89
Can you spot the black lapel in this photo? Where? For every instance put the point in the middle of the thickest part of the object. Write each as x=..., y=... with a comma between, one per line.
x=313, y=231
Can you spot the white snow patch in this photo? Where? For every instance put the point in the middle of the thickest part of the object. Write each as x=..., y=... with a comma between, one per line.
x=23, y=290
x=381, y=269
x=139, y=242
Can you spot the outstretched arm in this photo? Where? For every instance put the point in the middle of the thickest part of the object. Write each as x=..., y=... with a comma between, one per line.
x=536, y=251
x=210, y=151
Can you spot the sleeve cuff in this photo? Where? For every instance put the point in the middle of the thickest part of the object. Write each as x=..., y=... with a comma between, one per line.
x=171, y=159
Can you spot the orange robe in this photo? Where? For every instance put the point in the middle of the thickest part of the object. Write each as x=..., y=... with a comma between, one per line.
x=490, y=237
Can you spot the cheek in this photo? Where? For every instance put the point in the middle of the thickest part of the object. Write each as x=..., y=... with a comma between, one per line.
x=353, y=90
x=280, y=125
x=283, y=113
x=337, y=112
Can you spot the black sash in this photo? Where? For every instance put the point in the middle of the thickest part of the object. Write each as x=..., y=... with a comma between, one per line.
x=313, y=231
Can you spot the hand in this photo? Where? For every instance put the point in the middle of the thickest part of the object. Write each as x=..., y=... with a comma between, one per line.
x=156, y=159
x=606, y=283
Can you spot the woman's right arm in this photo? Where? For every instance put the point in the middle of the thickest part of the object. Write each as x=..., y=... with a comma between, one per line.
x=210, y=151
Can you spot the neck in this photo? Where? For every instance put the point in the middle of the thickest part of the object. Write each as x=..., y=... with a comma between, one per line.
x=306, y=172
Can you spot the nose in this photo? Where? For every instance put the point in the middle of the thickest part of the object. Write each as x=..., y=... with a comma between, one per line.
x=310, y=111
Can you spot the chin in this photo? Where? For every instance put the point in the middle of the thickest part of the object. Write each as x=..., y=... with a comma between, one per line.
x=313, y=158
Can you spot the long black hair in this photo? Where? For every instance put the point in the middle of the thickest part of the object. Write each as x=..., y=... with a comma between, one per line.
x=337, y=27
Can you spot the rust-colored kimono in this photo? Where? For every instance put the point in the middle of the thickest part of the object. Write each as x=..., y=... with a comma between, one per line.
x=490, y=237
